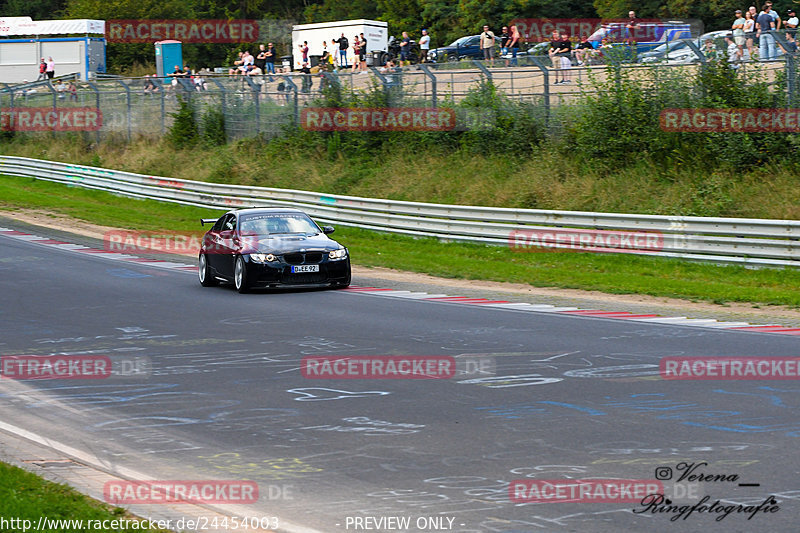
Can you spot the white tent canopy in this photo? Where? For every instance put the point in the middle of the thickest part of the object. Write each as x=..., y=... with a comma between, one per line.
x=19, y=26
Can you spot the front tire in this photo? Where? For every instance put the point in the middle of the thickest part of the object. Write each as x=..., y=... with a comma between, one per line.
x=240, y=275
x=204, y=272
x=346, y=283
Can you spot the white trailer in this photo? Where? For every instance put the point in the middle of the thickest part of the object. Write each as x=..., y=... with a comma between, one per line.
x=375, y=31
x=19, y=58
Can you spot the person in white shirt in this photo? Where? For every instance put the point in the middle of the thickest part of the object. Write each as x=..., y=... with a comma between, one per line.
x=749, y=30
x=424, y=46
x=791, y=26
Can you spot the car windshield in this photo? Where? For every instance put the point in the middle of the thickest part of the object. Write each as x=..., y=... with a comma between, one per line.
x=668, y=47
x=277, y=224
x=462, y=41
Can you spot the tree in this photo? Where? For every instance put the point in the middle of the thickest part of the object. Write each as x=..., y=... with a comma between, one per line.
x=36, y=9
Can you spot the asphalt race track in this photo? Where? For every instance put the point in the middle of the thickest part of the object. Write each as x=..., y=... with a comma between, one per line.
x=562, y=398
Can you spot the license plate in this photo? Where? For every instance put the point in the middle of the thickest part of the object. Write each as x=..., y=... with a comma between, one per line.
x=304, y=268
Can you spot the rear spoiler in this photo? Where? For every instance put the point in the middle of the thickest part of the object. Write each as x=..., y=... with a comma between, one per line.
x=204, y=221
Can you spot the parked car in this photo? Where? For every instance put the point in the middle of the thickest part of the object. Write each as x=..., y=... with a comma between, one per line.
x=468, y=47
x=680, y=52
x=647, y=36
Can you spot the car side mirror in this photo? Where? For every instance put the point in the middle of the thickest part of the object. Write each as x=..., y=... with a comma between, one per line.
x=327, y=230
x=226, y=233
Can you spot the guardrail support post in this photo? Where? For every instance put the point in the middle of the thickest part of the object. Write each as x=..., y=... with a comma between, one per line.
x=546, y=74
x=483, y=68
x=424, y=68
x=128, y=104
x=288, y=80
x=96, y=90
x=385, y=83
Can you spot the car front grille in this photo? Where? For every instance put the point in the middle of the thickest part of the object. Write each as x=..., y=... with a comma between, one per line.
x=303, y=258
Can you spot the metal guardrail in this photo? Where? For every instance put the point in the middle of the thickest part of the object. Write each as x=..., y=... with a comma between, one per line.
x=723, y=240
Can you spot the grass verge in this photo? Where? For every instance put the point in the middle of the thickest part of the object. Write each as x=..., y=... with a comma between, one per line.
x=27, y=497
x=615, y=274
x=546, y=179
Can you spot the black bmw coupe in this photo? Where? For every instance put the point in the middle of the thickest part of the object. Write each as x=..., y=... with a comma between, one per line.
x=271, y=247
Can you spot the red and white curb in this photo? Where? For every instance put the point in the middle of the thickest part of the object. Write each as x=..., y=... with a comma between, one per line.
x=442, y=298
x=71, y=247
x=575, y=311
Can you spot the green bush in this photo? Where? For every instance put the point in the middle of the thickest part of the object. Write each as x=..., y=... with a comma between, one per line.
x=214, y=127
x=618, y=120
x=183, y=133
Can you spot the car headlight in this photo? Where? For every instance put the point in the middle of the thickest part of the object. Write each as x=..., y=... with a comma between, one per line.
x=336, y=255
x=263, y=258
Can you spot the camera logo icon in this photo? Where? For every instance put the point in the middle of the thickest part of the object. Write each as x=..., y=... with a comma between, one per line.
x=663, y=473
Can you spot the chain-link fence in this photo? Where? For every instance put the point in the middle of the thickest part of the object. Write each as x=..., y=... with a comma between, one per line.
x=263, y=104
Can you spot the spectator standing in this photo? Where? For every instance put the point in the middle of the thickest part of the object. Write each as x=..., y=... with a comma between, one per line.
x=766, y=43
x=51, y=68
x=774, y=15
x=73, y=91
x=632, y=27
x=738, y=33
x=791, y=26
x=514, y=44
x=270, y=59
x=344, y=44
x=505, y=39
x=42, y=70
x=326, y=55
x=749, y=30
x=559, y=53
x=261, y=58
x=424, y=46
x=306, y=81
x=487, y=44
x=356, y=53
x=405, y=48
x=304, y=51
x=362, y=57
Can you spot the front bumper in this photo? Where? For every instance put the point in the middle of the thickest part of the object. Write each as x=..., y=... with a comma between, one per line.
x=279, y=274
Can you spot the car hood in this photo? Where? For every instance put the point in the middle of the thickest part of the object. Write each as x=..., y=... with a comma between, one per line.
x=283, y=244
